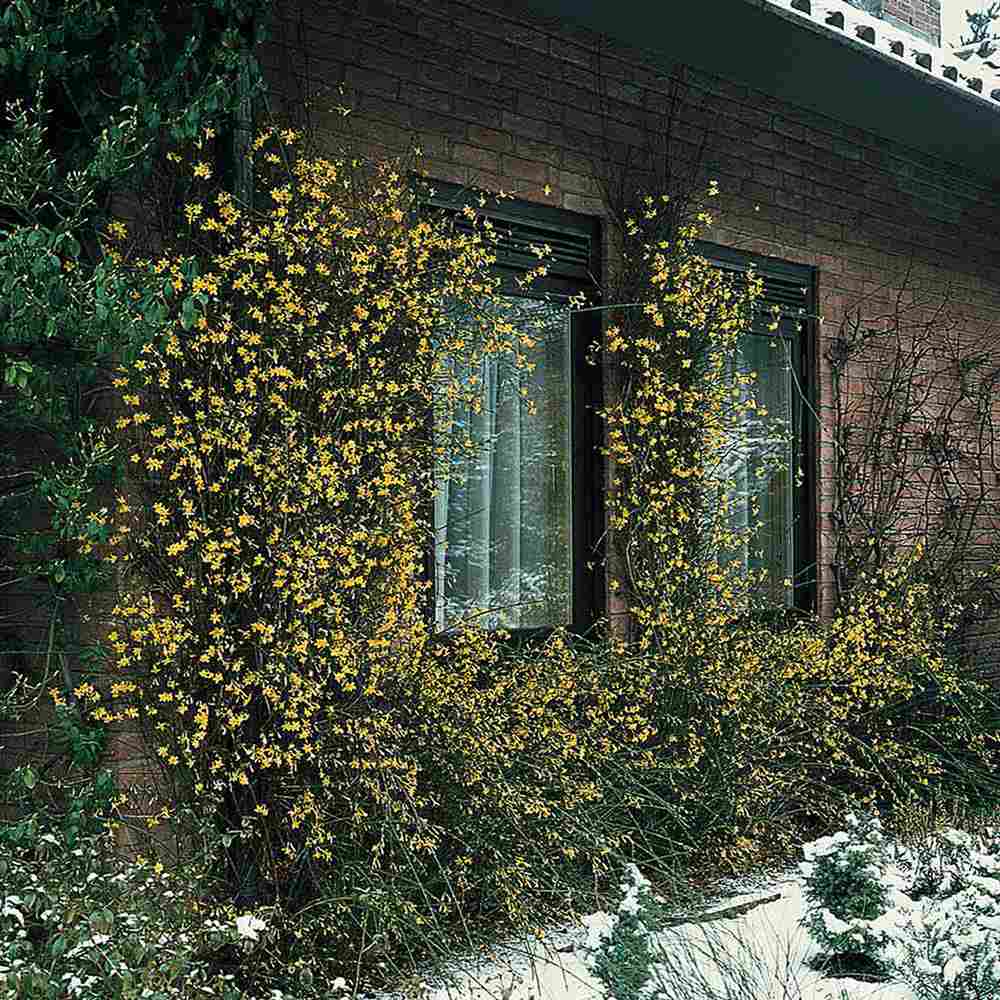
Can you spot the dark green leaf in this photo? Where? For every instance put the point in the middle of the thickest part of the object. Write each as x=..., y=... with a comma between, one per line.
x=188, y=313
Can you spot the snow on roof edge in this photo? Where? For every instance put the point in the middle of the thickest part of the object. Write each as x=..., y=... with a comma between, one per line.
x=963, y=68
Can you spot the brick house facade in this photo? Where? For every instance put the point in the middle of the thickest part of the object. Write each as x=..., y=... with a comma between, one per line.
x=886, y=186
x=883, y=201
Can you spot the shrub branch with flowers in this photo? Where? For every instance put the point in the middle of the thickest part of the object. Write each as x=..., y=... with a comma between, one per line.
x=758, y=728
x=386, y=787
x=272, y=637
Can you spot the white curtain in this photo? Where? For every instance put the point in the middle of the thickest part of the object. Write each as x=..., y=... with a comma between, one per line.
x=503, y=515
x=759, y=465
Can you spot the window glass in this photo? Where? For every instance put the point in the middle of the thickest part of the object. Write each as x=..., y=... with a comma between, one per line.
x=769, y=452
x=765, y=492
x=503, y=515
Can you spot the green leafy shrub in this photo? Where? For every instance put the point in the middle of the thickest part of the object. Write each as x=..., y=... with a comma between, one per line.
x=641, y=952
x=947, y=947
x=924, y=914
x=846, y=889
x=81, y=921
x=619, y=948
x=940, y=864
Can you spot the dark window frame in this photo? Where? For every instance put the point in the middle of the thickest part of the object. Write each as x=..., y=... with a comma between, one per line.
x=571, y=270
x=781, y=280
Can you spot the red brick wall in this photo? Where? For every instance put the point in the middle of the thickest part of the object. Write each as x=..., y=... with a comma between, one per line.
x=514, y=102
x=922, y=15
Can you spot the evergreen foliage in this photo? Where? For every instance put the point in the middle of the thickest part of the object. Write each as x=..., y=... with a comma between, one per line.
x=91, y=90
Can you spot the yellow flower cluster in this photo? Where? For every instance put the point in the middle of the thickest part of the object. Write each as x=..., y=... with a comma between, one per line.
x=274, y=642
x=784, y=718
x=274, y=638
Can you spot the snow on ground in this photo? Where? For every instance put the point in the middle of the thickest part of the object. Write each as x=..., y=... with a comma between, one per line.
x=767, y=942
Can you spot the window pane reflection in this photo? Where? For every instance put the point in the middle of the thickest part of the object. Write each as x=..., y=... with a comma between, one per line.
x=503, y=514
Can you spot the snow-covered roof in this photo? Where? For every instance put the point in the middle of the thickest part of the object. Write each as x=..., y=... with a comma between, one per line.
x=964, y=67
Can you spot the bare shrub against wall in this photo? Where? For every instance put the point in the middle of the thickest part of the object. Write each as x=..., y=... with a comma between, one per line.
x=914, y=428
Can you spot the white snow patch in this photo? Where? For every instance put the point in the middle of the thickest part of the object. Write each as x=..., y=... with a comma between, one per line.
x=769, y=935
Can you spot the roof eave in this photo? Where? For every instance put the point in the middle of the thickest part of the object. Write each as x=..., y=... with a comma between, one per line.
x=915, y=73
x=803, y=64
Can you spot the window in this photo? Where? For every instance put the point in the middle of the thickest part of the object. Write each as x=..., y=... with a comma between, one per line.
x=516, y=523
x=768, y=487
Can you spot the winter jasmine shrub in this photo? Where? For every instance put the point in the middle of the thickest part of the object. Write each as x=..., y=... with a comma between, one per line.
x=761, y=731
x=388, y=786
x=393, y=784
x=758, y=728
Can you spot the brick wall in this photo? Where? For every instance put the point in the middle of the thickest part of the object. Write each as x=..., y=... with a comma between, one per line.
x=922, y=16
x=515, y=102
